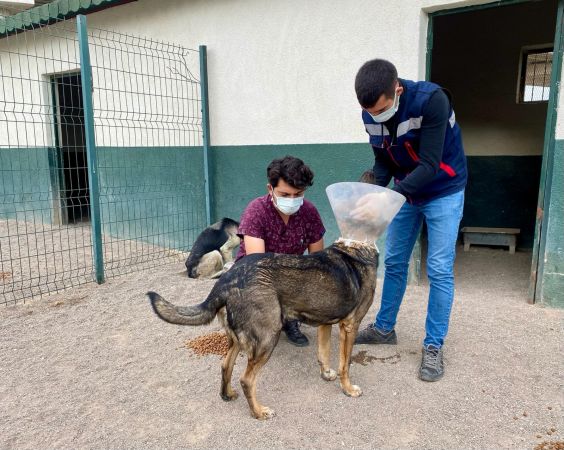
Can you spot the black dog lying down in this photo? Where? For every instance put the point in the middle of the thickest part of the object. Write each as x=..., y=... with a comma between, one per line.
x=213, y=249
x=251, y=299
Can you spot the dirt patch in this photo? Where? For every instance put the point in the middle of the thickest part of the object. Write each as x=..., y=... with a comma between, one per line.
x=5, y=276
x=363, y=358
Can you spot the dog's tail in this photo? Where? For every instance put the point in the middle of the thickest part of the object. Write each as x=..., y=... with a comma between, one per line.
x=186, y=315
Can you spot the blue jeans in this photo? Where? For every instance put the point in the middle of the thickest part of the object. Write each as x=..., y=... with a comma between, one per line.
x=442, y=217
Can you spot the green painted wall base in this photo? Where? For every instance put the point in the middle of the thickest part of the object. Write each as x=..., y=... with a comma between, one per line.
x=25, y=186
x=502, y=190
x=152, y=194
x=157, y=194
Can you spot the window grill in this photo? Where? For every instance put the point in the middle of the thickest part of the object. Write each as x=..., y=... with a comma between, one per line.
x=536, y=69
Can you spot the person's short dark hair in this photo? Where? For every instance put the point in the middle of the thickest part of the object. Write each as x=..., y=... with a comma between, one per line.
x=292, y=170
x=374, y=78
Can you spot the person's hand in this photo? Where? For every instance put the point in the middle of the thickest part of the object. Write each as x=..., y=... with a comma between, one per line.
x=370, y=207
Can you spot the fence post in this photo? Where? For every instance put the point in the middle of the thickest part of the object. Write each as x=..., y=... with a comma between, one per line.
x=206, y=131
x=86, y=78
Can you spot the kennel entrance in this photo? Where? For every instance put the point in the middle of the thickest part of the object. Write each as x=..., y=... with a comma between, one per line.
x=70, y=163
x=504, y=110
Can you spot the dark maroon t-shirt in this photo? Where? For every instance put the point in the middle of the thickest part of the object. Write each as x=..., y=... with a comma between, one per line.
x=262, y=220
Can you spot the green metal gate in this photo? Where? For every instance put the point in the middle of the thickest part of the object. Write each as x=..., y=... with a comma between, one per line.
x=103, y=158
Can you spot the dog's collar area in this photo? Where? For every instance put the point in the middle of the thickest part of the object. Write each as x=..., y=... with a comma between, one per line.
x=356, y=243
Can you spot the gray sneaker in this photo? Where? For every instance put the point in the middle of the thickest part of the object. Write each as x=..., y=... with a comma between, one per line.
x=371, y=335
x=432, y=368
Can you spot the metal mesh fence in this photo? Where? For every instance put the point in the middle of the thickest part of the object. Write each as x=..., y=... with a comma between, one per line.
x=148, y=126
x=147, y=132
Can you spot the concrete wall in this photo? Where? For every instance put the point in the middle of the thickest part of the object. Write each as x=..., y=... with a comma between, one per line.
x=282, y=72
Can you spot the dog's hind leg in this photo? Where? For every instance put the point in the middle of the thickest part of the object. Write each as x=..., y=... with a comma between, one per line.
x=227, y=391
x=324, y=352
x=256, y=361
x=348, y=329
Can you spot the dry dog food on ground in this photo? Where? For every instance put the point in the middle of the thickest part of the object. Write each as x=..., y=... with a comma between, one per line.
x=215, y=343
x=552, y=445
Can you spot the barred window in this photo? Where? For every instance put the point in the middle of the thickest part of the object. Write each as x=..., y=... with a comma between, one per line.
x=536, y=68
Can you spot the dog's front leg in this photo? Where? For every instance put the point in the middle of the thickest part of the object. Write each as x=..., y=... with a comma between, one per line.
x=346, y=340
x=226, y=249
x=324, y=352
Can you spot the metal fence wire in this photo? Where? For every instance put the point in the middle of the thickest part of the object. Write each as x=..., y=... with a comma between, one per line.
x=145, y=203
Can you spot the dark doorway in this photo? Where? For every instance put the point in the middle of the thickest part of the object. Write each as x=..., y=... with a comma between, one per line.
x=74, y=195
x=496, y=62
x=503, y=133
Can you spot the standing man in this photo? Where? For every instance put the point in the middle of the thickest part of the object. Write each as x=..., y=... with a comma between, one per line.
x=282, y=221
x=416, y=140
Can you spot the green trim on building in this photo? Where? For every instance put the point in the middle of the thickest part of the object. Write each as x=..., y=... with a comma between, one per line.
x=550, y=283
x=543, y=239
x=50, y=13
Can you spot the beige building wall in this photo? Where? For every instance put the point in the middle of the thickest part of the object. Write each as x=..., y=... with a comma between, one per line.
x=283, y=72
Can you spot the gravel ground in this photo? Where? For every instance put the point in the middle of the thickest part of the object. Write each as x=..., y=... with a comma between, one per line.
x=92, y=367
x=38, y=258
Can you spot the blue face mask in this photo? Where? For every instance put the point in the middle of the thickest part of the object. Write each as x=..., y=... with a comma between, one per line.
x=287, y=205
x=389, y=113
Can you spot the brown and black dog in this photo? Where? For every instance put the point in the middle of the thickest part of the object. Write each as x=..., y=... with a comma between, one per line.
x=335, y=285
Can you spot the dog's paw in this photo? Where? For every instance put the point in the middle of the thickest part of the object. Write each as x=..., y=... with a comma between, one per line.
x=230, y=396
x=354, y=391
x=329, y=375
x=264, y=413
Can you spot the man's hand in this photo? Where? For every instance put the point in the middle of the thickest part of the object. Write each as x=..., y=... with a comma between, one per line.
x=370, y=207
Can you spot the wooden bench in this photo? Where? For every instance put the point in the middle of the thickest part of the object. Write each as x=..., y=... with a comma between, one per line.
x=490, y=236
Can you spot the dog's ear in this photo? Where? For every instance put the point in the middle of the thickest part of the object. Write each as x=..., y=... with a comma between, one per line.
x=368, y=177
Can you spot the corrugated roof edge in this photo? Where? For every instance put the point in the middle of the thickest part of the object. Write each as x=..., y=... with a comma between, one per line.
x=52, y=12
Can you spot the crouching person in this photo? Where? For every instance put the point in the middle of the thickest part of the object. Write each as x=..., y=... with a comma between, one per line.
x=282, y=221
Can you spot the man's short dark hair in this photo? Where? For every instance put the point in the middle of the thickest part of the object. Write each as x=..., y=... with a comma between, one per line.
x=374, y=78
x=292, y=170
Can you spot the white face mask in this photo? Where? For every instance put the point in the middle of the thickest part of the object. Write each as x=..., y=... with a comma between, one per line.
x=389, y=113
x=287, y=205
